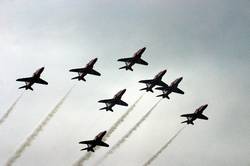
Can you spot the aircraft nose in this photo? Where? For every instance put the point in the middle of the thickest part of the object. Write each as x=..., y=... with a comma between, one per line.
x=180, y=78
x=124, y=90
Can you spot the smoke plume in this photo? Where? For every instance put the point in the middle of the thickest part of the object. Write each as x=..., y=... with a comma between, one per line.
x=6, y=115
x=36, y=132
x=163, y=148
x=110, y=131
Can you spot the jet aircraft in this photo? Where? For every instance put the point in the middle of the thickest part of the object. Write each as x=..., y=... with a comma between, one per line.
x=173, y=87
x=115, y=100
x=153, y=82
x=29, y=81
x=196, y=115
x=97, y=141
x=129, y=62
x=88, y=69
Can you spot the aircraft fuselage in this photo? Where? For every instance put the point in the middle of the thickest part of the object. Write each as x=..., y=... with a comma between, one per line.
x=136, y=57
x=35, y=77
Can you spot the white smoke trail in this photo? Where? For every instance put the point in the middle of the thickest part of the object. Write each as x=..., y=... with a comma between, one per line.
x=162, y=148
x=110, y=131
x=36, y=132
x=6, y=115
x=124, y=138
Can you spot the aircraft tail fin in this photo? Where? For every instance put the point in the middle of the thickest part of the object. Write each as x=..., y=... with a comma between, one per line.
x=26, y=87
x=127, y=68
x=79, y=78
x=147, y=89
x=107, y=109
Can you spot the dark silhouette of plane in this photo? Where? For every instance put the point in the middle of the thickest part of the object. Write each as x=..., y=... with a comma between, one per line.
x=97, y=141
x=115, y=100
x=88, y=69
x=29, y=81
x=173, y=87
x=196, y=115
x=153, y=82
x=133, y=60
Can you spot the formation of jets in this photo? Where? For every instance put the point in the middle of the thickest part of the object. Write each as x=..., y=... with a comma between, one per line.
x=116, y=100
x=129, y=62
x=88, y=69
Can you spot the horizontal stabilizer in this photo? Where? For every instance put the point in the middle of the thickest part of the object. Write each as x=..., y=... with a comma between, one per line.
x=88, y=149
x=79, y=78
x=127, y=68
x=147, y=89
x=163, y=96
x=188, y=122
x=107, y=109
x=26, y=87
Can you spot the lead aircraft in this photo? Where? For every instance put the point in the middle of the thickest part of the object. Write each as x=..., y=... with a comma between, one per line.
x=129, y=62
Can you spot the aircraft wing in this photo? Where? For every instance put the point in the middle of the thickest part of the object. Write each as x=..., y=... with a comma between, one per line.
x=90, y=142
x=125, y=59
x=161, y=83
x=93, y=72
x=28, y=79
x=121, y=103
x=102, y=144
x=177, y=90
x=142, y=62
x=41, y=81
x=202, y=117
x=107, y=101
x=146, y=81
x=78, y=70
x=163, y=88
x=187, y=115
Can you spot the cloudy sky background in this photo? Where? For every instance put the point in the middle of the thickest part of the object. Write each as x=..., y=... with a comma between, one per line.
x=206, y=42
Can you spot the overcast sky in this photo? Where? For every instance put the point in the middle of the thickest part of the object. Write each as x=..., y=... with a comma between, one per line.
x=207, y=42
